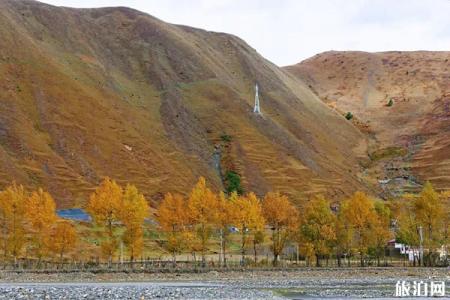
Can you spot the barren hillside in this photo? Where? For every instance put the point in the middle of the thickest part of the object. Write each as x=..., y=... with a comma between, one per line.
x=87, y=93
x=401, y=100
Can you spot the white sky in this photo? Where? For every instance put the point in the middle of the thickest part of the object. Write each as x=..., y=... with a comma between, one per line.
x=288, y=31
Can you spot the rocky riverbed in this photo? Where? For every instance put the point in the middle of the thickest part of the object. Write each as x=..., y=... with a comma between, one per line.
x=298, y=284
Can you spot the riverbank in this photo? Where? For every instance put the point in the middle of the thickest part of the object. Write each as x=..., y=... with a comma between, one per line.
x=310, y=273
x=256, y=284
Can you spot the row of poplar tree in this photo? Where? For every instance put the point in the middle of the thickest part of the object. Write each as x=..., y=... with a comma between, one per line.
x=360, y=226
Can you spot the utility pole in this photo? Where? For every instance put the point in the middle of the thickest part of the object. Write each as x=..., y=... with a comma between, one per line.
x=421, y=246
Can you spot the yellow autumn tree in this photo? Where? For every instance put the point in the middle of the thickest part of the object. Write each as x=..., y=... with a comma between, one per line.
x=247, y=217
x=224, y=221
x=133, y=211
x=407, y=225
x=104, y=207
x=445, y=198
x=202, y=210
x=307, y=250
x=258, y=237
x=359, y=213
x=283, y=218
x=12, y=217
x=173, y=220
x=193, y=243
x=344, y=233
x=318, y=227
x=63, y=238
x=41, y=217
x=430, y=215
x=381, y=229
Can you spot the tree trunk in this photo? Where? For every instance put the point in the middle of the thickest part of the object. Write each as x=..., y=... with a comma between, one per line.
x=111, y=238
x=224, y=252
x=223, y=242
x=275, y=245
x=5, y=247
x=61, y=254
x=338, y=258
x=275, y=259
x=254, y=251
x=243, y=246
x=203, y=258
x=378, y=256
x=203, y=246
x=174, y=259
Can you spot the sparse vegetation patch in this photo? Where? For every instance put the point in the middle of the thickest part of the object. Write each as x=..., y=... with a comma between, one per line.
x=225, y=138
x=388, y=152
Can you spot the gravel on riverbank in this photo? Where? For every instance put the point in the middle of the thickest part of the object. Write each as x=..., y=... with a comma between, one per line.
x=254, y=284
x=304, y=273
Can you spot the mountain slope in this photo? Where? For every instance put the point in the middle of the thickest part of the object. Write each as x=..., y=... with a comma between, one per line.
x=401, y=100
x=87, y=93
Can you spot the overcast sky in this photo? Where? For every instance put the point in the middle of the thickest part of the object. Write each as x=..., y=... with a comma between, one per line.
x=288, y=31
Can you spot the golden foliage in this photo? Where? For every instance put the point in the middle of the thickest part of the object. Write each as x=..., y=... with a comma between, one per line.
x=12, y=216
x=202, y=204
x=429, y=213
x=283, y=218
x=318, y=227
x=172, y=213
x=224, y=213
x=63, y=238
x=41, y=216
x=362, y=225
x=381, y=229
x=224, y=221
x=104, y=207
x=367, y=224
x=173, y=220
x=246, y=213
x=202, y=211
x=133, y=211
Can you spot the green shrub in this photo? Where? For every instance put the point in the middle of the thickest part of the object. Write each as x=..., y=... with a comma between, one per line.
x=390, y=103
x=349, y=116
x=233, y=182
x=225, y=138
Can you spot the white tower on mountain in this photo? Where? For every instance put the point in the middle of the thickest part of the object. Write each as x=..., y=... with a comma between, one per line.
x=257, y=108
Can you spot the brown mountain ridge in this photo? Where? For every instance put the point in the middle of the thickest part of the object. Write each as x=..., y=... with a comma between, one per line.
x=88, y=93
x=401, y=100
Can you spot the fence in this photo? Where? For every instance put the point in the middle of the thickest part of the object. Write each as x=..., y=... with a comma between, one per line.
x=168, y=266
